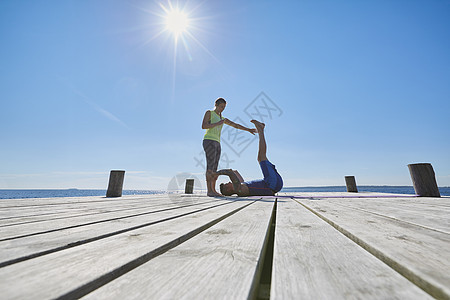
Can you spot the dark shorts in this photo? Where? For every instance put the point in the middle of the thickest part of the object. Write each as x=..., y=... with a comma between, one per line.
x=212, y=151
x=271, y=184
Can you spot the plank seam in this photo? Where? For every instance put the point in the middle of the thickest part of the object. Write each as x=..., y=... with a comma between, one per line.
x=427, y=286
x=114, y=274
x=82, y=242
x=392, y=218
x=96, y=213
x=126, y=206
x=63, y=203
x=95, y=222
x=265, y=260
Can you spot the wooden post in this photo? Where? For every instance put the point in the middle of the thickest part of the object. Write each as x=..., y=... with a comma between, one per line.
x=189, y=188
x=350, y=182
x=115, y=183
x=424, y=180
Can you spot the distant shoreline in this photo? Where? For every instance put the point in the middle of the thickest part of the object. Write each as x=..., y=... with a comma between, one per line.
x=74, y=192
x=288, y=187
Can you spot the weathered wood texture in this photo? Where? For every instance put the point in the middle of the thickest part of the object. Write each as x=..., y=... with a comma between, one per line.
x=418, y=211
x=115, y=185
x=77, y=270
x=326, y=245
x=25, y=241
x=189, y=188
x=312, y=260
x=218, y=263
x=326, y=195
x=419, y=253
x=350, y=183
x=424, y=180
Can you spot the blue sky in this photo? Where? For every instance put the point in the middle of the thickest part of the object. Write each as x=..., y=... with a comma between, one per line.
x=357, y=88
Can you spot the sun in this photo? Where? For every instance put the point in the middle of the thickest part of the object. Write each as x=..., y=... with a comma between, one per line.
x=182, y=24
x=177, y=22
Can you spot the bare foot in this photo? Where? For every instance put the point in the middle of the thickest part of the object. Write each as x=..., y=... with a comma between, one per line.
x=214, y=194
x=258, y=125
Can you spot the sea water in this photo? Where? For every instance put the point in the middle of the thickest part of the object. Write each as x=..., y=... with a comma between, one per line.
x=57, y=193
x=20, y=194
x=444, y=191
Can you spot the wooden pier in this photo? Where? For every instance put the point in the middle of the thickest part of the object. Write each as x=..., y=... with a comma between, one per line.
x=290, y=246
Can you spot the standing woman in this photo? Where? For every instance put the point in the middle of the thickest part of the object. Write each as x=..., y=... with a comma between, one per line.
x=213, y=123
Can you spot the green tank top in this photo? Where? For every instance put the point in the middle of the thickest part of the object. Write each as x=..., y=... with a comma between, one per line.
x=214, y=133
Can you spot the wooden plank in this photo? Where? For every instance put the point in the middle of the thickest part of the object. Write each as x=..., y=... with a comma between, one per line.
x=39, y=216
x=79, y=270
x=220, y=263
x=56, y=224
x=27, y=247
x=335, y=194
x=8, y=203
x=312, y=260
x=420, y=254
x=443, y=201
x=67, y=205
x=63, y=205
x=429, y=214
x=94, y=209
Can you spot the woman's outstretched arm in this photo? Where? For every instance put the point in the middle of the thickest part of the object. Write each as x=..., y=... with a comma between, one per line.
x=239, y=126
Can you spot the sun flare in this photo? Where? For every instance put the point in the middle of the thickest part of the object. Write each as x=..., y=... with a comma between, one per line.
x=177, y=22
x=182, y=26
